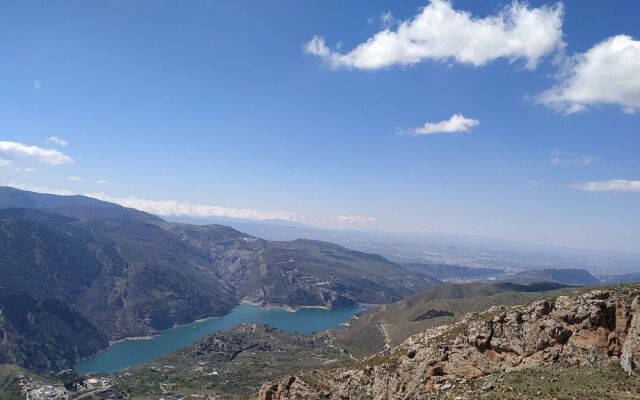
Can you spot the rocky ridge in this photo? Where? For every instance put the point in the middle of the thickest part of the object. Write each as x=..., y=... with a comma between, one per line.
x=582, y=329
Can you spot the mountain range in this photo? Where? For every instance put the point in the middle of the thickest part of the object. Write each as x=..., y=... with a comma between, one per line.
x=129, y=273
x=78, y=273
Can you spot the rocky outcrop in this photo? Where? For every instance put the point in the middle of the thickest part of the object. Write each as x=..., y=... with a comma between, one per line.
x=630, y=353
x=580, y=329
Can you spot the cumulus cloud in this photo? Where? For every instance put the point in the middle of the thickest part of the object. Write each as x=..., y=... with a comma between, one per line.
x=458, y=123
x=74, y=178
x=57, y=141
x=561, y=158
x=178, y=208
x=613, y=185
x=439, y=32
x=608, y=73
x=47, y=156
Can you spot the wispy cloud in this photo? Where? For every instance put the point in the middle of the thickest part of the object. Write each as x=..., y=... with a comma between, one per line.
x=439, y=32
x=351, y=219
x=179, y=208
x=605, y=74
x=101, y=181
x=36, y=84
x=533, y=183
x=458, y=123
x=613, y=185
x=168, y=207
x=387, y=20
x=47, y=156
x=4, y=163
x=40, y=189
x=74, y=179
x=562, y=158
x=57, y=141
x=27, y=169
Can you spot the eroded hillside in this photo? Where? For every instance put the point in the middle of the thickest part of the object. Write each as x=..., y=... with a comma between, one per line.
x=587, y=329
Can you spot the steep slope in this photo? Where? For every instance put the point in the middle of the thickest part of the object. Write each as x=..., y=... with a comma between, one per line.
x=150, y=279
x=588, y=329
x=131, y=273
x=300, y=272
x=391, y=324
x=43, y=334
x=39, y=258
x=127, y=277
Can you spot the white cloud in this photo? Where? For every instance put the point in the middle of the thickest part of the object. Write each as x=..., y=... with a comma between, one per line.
x=47, y=156
x=177, y=208
x=351, y=219
x=74, y=178
x=533, y=183
x=613, y=185
x=561, y=158
x=441, y=33
x=387, y=20
x=102, y=181
x=608, y=73
x=36, y=85
x=456, y=124
x=39, y=189
x=57, y=141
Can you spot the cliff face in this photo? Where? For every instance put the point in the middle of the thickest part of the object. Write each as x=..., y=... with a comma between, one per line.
x=580, y=329
x=299, y=272
x=43, y=334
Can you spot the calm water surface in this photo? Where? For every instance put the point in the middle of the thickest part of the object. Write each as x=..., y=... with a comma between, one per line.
x=124, y=354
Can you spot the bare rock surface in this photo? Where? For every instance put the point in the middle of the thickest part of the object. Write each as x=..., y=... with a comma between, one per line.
x=582, y=329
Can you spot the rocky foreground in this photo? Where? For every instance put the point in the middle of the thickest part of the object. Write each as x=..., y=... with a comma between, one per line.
x=590, y=330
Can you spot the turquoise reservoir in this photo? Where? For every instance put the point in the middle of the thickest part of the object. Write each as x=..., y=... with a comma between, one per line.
x=136, y=351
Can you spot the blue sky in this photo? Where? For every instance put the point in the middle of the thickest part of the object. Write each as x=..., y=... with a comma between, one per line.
x=222, y=108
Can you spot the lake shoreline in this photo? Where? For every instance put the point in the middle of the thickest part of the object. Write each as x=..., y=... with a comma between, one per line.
x=269, y=306
x=200, y=320
x=126, y=339
x=126, y=352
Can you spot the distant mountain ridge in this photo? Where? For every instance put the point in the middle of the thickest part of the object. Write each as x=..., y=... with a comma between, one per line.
x=75, y=206
x=130, y=273
x=447, y=272
x=566, y=276
x=435, y=248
